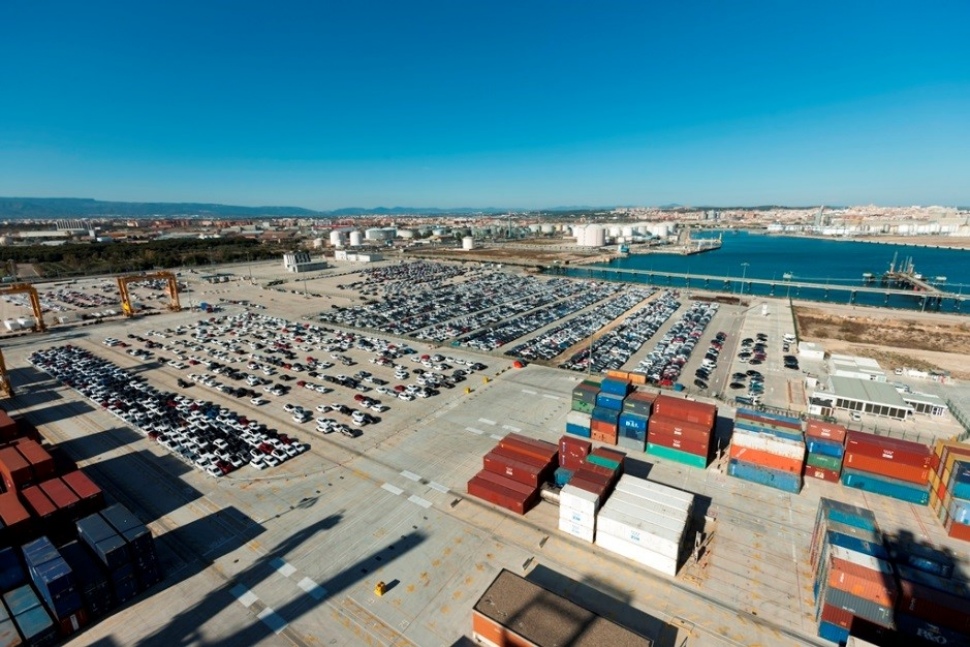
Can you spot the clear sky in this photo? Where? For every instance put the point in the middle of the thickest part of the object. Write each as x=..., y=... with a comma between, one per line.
x=529, y=104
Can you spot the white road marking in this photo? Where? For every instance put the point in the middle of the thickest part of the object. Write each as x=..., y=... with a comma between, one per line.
x=551, y=396
x=438, y=486
x=393, y=489
x=272, y=620
x=282, y=567
x=486, y=421
x=529, y=392
x=410, y=475
x=511, y=428
x=475, y=431
x=316, y=591
x=497, y=437
x=244, y=595
x=424, y=503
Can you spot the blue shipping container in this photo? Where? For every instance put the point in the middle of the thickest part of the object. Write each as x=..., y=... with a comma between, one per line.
x=960, y=511
x=615, y=386
x=633, y=421
x=636, y=434
x=913, y=626
x=562, y=476
x=825, y=447
x=765, y=476
x=605, y=415
x=833, y=633
x=959, y=485
x=12, y=573
x=39, y=551
x=21, y=600
x=577, y=430
x=850, y=515
x=609, y=401
x=37, y=627
x=886, y=487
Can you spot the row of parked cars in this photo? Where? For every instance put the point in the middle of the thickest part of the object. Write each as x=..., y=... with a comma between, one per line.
x=210, y=437
x=663, y=365
x=709, y=364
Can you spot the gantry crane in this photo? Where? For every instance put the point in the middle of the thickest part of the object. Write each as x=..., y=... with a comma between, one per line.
x=31, y=292
x=6, y=389
x=172, y=290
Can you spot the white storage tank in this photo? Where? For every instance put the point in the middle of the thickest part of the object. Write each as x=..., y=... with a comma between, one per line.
x=594, y=236
x=578, y=232
x=336, y=238
x=547, y=229
x=356, y=240
x=535, y=229
x=468, y=243
x=406, y=234
x=317, y=243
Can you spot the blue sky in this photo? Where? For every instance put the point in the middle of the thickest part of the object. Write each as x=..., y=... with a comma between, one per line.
x=530, y=104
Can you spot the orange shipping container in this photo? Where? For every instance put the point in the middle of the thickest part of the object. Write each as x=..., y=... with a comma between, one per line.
x=892, y=469
x=959, y=531
x=605, y=438
x=40, y=461
x=618, y=375
x=862, y=582
x=638, y=378
x=766, y=459
x=603, y=427
x=818, y=429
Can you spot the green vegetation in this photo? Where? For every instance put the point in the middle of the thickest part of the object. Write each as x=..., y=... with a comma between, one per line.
x=100, y=258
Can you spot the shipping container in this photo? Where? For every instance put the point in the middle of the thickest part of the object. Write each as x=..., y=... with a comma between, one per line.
x=959, y=481
x=577, y=430
x=660, y=425
x=930, y=632
x=833, y=633
x=12, y=573
x=106, y=544
x=635, y=434
x=885, y=486
x=36, y=627
x=40, y=506
x=617, y=387
x=899, y=471
x=608, y=458
x=765, y=417
x=595, y=487
x=9, y=636
x=631, y=444
x=41, y=463
x=8, y=427
x=605, y=415
x=21, y=600
x=582, y=406
x=637, y=553
x=14, y=469
x=826, y=430
x=686, y=410
x=676, y=455
x=825, y=462
x=846, y=513
x=767, y=459
x=664, y=494
x=516, y=470
x=634, y=421
x=561, y=476
x=638, y=379
x=761, y=475
x=890, y=449
x=862, y=575
x=875, y=613
x=609, y=401
x=930, y=604
x=956, y=530
x=959, y=511
x=15, y=518
x=579, y=499
x=90, y=495
x=755, y=428
x=640, y=402
x=579, y=531
x=514, y=612
x=501, y=496
x=539, y=449
x=92, y=582
x=700, y=448
x=822, y=474
x=825, y=447
x=61, y=496
x=603, y=427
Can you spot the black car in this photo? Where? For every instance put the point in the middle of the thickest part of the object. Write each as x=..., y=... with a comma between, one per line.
x=701, y=384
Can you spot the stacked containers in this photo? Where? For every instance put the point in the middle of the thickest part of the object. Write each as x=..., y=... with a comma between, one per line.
x=141, y=545
x=826, y=447
x=12, y=574
x=30, y=616
x=91, y=581
x=681, y=430
x=932, y=607
x=9, y=636
x=90, y=497
x=588, y=489
x=41, y=463
x=950, y=488
x=572, y=455
x=112, y=552
x=853, y=577
x=514, y=471
x=42, y=509
x=578, y=424
x=609, y=404
x=578, y=420
x=633, y=421
x=56, y=583
x=887, y=466
x=15, y=522
x=14, y=469
x=645, y=522
x=8, y=427
x=767, y=450
x=577, y=512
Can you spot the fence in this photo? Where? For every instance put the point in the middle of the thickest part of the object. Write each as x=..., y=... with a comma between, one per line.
x=962, y=418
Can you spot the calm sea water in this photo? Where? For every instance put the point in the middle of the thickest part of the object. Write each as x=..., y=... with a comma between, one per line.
x=838, y=264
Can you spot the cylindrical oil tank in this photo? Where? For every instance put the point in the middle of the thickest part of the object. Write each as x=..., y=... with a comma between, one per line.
x=468, y=243
x=356, y=240
x=547, y=229
x=336, y=238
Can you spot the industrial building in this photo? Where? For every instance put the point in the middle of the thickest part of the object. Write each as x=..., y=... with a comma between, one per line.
x=299, y=262
x=863, y=396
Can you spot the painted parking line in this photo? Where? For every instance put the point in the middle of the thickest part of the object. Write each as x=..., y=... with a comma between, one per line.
x=282, y=567
x=393, y=489
x=474, y=431
x=551, y=396
x=272, y=620
x=315, y=591
x=424, y=503
x=498, y=436
x=512, y=428
x=410, y=476
x=486, y=421
x=528, y=392
x=438, y=487
x=244, y=595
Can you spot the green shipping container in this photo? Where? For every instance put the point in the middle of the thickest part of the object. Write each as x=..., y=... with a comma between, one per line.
x=676, y=455
x=825, y=462
x=582, y=405
x=602, y=461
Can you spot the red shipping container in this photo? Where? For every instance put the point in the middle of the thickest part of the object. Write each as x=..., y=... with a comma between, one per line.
x=597, y=488
x=501, y=496
x=503, y=481
x=818, y=429
x=611, y=454
x=661, y=425
x=92, y=498
x=767, y=459
x=822, y=474
x=513, y=469
x=540, y=449
x=836, y=616
x=60, y=495
x=37, y=502
x=604, y=437
x=956, y=530
x=12, y=511
x=890, y=449
x=516, y=455
x=686, y=410
x=771, y=422
x=571, y=463
x=862, y=582
x=72, y=623
x=14, y=468
x=41, y=463
x=696, y=447
x=935, y=606
x=605, y=472
x=8, y=428
x=603, y=427
x=892, y=469
x=574, y=446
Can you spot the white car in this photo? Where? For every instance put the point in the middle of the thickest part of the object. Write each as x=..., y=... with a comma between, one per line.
x=258, y=401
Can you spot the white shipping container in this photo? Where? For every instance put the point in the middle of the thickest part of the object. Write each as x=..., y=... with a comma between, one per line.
x=654, y=516
x=861, y=559
x=768, y=443
x=10, y=324
x=581, y=532
x=577, y=517
x=662, y=540
x=658, y=497
x=645, y=556
x=578, y=499
x=653, y=508
x=646, y=489
x=579, y=418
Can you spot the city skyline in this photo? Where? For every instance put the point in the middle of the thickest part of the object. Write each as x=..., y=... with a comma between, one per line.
x=446, y=105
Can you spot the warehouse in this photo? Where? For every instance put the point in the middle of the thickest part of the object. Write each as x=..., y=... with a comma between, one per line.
x=863, y=396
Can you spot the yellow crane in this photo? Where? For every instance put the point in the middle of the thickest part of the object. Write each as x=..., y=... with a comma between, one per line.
x=6, y=389
x=31, y=292
x=172, y=290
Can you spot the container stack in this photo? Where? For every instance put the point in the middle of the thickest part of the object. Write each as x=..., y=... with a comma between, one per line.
x=932, y=607
x=579, y=419
x=768, y=450
x=588, y=488
x=895, y=468
x=645, y=522
x=57, y=585
x=92, y=583
x=634, y=419
x=514, y=471
x=577, y=512
x=112, y=553
x=681, y=430
x=29, y=615
x=853, y=577
x=826, y=447
x=609, y=404
x=572, y=455
x=950, y=488
x=8, y=427
x=15, y=522
x=141, y=544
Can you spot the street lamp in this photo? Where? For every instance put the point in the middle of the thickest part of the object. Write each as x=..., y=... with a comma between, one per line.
x=744, y=272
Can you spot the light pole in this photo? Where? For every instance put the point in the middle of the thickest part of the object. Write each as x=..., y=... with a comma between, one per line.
x=744, y=272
